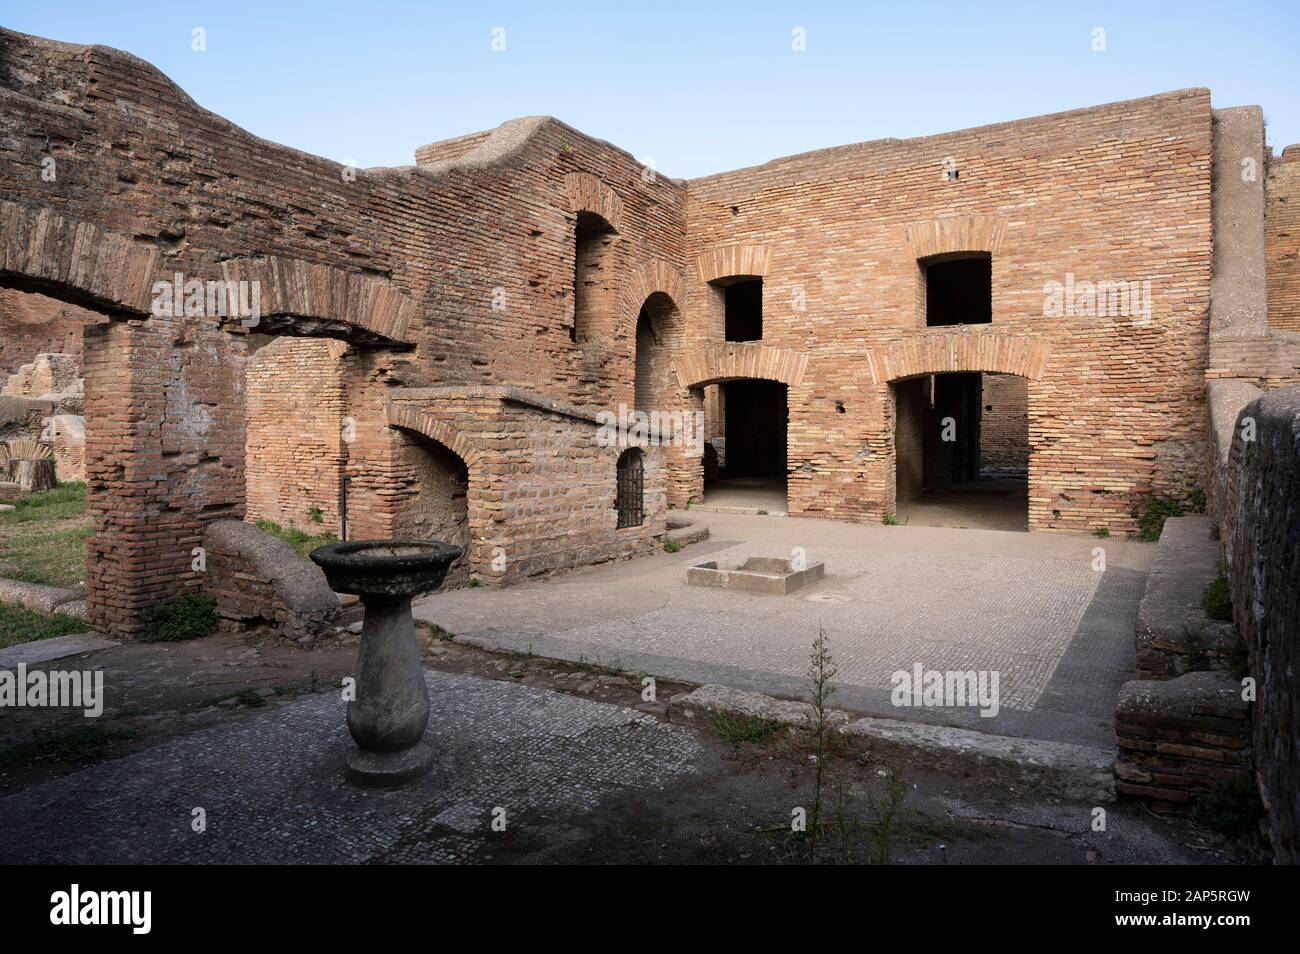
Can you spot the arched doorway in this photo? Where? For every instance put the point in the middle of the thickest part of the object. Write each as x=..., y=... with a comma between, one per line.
x=437, y=507
x=752, y=383
x=656, y=321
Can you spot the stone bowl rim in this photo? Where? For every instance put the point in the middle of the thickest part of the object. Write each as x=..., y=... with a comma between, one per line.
x=349, y=556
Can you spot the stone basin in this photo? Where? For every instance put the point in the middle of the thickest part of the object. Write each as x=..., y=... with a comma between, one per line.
x=771, y=575
x=394, y=569
x=388, y=709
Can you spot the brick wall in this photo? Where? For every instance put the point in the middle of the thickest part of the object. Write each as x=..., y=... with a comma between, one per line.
x=1282, y=239
x=1119, y=408
x=258, y=580
x=32, y=324
x=45, y=374
x=1262, y=540
x=478, y=242
x=530, y=513
x=480, y=238
x=1004, y=422
x=295, y=453
x=1180, y=738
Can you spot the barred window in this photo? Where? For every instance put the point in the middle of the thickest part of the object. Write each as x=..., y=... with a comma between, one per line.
x=630, y=495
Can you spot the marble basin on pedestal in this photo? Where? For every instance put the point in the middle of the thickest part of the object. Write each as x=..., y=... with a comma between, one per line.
x=390, y=711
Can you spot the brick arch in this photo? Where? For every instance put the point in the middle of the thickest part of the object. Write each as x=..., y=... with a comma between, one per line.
x=729, y=260
x=941, y=354
x=44, y=251
x=654, y=276
x=730, y=362
x=960, y=233
x=587, y=193
x=344, y=301
x=423, y=422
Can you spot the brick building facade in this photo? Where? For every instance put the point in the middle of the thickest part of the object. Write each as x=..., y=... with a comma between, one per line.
x=436, y=343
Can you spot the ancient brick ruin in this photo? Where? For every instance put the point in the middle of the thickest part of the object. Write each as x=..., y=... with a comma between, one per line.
x=436, y=343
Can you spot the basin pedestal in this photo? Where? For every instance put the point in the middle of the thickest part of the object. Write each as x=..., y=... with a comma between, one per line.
x=391, y=710
x=388, y=717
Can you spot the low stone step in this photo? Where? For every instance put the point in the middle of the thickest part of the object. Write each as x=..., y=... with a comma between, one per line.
x=1173, y=633
x=685, y=531
x=1052, y=768
x=58, y=647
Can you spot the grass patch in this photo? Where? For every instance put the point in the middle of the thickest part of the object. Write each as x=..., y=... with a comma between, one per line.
x=45, y=536
x=1233, y=807
x=1237, y=657
x=890, y=520
x=78, y=742
x=188, y=617
x=59, y=503
x=1217, y=600
x=1102, y=532
x=1151, y=513
x=249, y=697
x=735, y=729
x=18, y=624
x=672, y=546
x=301, y=541
x=591, y=668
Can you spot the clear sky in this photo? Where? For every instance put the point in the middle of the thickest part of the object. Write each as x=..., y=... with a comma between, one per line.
x=695, y=87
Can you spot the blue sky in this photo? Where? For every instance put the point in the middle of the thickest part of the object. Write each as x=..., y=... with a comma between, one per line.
x=696, y=87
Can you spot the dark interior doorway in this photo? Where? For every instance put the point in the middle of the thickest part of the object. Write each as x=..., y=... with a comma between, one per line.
x=751, y=457
x=961, y=447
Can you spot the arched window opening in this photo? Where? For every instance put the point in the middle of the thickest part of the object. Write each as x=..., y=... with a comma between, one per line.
x=653, y=324
x=630, y=496
x=593, y=276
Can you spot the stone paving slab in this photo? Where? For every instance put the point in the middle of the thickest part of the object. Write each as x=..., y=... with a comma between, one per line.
x=272, y=785
x=57, y=647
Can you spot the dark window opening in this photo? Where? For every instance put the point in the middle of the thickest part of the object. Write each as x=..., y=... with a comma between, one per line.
x=630, y=495
x=744, y=310
x=958, y=291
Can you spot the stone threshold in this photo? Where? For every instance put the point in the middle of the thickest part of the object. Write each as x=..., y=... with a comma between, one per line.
x=1061, y=769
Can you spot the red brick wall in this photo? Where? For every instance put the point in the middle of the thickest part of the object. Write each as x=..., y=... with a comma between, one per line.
x=295, y=452
x=32, y=324
x=1119, y=409
x=483, y=245
x=1282, y=239
x=1004, y=422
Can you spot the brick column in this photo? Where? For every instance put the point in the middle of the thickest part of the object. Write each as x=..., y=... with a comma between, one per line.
x=380, y=479
x=164, y=455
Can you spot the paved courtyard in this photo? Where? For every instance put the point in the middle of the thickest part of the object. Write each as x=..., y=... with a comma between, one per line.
x=272, y=787
x=1029, y=606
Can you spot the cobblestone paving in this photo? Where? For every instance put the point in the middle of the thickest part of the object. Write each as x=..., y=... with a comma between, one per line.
x=272, y=788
